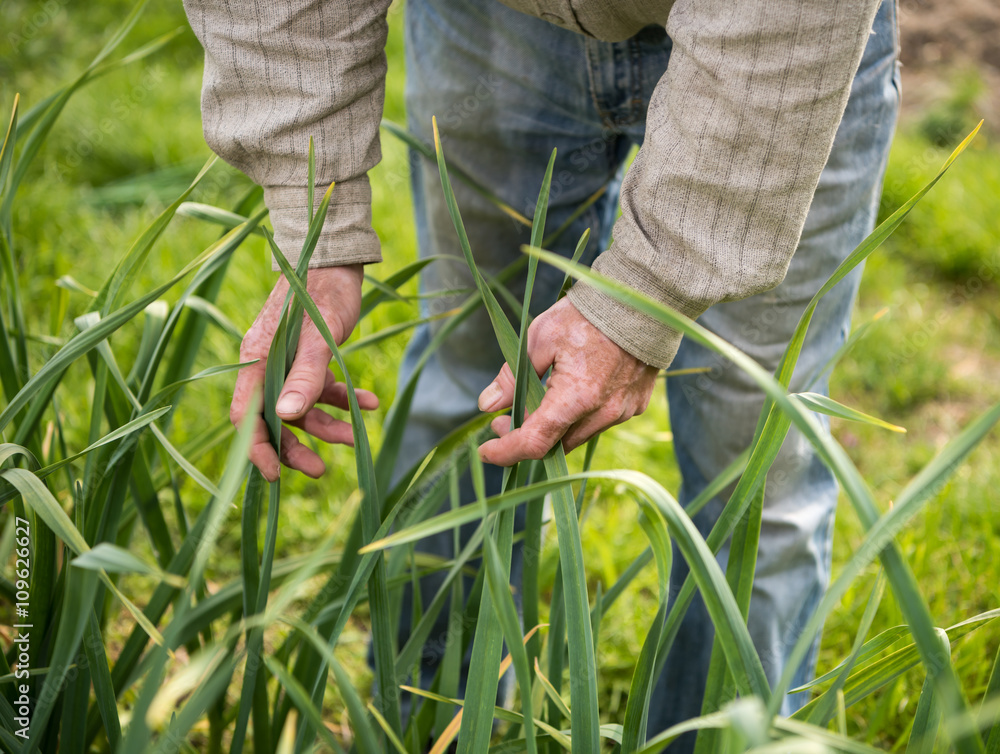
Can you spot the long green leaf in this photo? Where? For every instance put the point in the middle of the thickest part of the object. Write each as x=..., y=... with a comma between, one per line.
x=583, y=675
x=740, y=571
x=368, y=739
x=928, y=715
x=302, y=701
x=414, y=143
x=521, y=367
x=826, y=405
x=709, y=577
x=876, y=674
x=104, y=690
x=377, y=294
x=880, y=535
x=503, y=604
x=826, y=703
x=113, y=559
x=643, y=678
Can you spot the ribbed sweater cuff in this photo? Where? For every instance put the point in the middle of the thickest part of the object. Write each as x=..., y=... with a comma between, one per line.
x=649, y=340
x=347, y=237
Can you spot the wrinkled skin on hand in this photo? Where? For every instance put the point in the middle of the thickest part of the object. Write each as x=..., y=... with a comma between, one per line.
x=594, y=384
x=310, y=383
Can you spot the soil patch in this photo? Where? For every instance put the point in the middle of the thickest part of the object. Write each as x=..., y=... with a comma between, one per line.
x=942, y=41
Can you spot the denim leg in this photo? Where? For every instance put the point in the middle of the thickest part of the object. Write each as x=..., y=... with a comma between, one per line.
x=713, y=415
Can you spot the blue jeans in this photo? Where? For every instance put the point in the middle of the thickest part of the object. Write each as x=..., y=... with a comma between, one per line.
x=506, y=89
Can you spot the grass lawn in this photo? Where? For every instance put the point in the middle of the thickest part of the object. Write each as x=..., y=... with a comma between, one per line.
x=129, y=143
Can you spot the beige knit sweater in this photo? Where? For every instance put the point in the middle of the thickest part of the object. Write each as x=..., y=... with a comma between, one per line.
x=738, y=131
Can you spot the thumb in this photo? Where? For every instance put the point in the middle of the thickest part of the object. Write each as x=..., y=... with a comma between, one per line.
x=307, y=377
x=499, y=394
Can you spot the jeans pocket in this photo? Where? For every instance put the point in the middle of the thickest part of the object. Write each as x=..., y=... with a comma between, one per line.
x=558, y=12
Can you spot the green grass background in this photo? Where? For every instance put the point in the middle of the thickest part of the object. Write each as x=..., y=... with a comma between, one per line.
x=131, y=142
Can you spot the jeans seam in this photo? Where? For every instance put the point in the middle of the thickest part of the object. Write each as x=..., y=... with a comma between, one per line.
x=636, y=100
x=592, y=72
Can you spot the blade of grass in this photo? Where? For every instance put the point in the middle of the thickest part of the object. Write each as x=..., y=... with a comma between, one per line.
x=820, y=735
x=116, y=286
x=522, y=365
x=869, y=651
x=483, y=678
x=205, y=286
x=927, y=718
x=826, y=703
x=302, y=701
x=113, y=559
x=498, y=578
x=367, y=738
x=104, y=691
x=211, y=214
x=872, y=676
x=377, y=294
x=7, y=148
x=46, y=118
x=653, y=497
x=740, y=570
x=583, y=678
x=643, y=678
x=992, y=696
x=414, y=143
x=830, y=407
x=881, y=534
x=551, y=692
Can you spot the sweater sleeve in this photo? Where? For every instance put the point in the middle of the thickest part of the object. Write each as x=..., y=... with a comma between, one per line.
x=738, y=131
x=277, y=73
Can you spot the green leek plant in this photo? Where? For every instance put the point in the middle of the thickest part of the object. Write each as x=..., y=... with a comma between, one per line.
x=246, y=665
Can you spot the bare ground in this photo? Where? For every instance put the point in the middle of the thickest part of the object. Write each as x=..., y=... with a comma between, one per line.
x=942, y=40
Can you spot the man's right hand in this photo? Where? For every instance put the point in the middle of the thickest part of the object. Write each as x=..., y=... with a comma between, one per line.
x=337, y=293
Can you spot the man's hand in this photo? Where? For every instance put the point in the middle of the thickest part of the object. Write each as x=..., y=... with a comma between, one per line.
x=594, y=384
x=337, y=293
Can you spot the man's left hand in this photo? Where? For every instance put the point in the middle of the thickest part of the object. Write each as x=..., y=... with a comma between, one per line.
x=594, y=384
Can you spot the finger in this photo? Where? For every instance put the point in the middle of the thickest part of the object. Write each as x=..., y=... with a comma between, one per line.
x=324, y=427
x=499, y=394
x=335, y=394
x=539, y=433
x=591, y=425
x=307, y=377
x=248, y=383
x=297, y=456
x=262, y=453
x=501, y=425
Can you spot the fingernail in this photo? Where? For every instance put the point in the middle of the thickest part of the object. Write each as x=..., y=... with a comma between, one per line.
x=489, y=397
x=290, y=403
